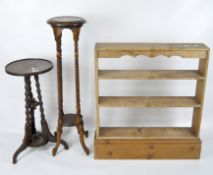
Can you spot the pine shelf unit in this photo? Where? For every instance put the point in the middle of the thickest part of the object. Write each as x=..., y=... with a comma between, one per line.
x=151, y=142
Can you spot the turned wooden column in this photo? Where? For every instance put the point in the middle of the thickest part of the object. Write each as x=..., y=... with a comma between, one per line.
x=71, y=119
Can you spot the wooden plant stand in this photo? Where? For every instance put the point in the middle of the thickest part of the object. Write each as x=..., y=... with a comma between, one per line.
x=28, y=68
x=151, y=142
x=72, y=119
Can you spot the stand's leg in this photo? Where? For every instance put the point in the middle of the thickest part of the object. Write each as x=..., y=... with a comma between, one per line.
x=28, y=124
x=53, y=138
x=79, y=122
x=18, y=151
x=81, y=132
x=45, y=129
x=58, y=35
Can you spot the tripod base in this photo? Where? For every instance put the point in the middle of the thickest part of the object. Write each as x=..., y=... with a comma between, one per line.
x=38, y=139
x=32, y=138
x=70, y=120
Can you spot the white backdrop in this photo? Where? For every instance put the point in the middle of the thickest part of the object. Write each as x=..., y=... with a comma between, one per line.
x=24, y=33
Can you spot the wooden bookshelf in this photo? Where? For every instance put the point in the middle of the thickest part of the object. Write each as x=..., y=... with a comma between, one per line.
x=151, y=142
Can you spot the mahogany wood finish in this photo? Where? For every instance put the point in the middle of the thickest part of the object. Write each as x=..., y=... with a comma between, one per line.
x=28, y=68
x=151, y=142
x=68, y=120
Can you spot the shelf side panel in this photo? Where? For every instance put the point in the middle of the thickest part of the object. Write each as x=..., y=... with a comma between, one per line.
x=200, y=92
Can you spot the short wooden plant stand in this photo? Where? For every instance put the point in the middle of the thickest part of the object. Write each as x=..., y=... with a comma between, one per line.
x=151, y=142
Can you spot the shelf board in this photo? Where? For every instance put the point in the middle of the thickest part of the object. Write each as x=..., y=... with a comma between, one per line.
x=69, y=120
x=146, y=133
x=150, y=74
x=143, y=101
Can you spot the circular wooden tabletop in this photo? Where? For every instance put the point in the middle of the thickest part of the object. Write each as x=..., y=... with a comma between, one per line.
x=66, y=21
x=29, y=66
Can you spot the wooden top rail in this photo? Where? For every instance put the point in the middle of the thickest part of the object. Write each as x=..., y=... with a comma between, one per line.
x=185, y=50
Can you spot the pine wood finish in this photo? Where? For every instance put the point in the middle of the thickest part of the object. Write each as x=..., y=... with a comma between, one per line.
x=74, y=24
x=171, y=148
x=151, y=142
x=148, y=102
x=146, y=133
x=149, y=75
x=184, y=50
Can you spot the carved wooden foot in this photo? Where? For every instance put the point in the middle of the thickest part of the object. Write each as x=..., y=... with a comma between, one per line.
x=65, y=144
x=55, y=139
x=86, y=150
x=58, y=136
x=18, y=151
x=55, y=149
x=81, y=133
x=52, y=138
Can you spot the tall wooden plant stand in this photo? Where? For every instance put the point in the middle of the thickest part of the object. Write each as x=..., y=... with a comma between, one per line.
x=68, y=120
x=151, y=142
